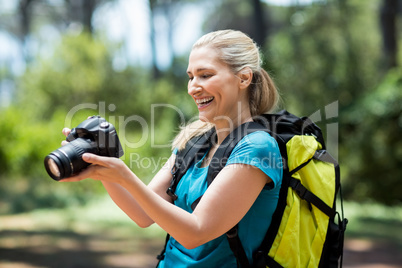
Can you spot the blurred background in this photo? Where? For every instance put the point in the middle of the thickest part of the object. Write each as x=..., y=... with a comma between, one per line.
x=338, y=61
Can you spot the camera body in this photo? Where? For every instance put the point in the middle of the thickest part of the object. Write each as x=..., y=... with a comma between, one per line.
x=94, y=135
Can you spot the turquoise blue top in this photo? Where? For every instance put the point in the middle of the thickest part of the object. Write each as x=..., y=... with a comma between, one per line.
x=257, y=149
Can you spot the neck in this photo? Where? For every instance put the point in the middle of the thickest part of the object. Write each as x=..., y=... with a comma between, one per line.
x=225, y=126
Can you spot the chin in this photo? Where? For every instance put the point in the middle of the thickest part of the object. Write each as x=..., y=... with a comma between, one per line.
x=205, y=119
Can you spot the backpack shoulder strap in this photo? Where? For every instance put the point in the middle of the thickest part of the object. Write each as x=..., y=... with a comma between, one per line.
x=218, y=162
x=194, y=150
x=221, y=156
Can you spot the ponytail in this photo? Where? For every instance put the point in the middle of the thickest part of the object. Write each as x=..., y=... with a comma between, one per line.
x=263, y=95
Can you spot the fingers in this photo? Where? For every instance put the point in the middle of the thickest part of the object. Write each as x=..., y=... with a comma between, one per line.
x=102, y=168
x=71, y=179
x=64, y=143
x=90, y=172
x=94, y=159
x=66, y=131
x=104, y=161
x=100, y=164
x=84, y=174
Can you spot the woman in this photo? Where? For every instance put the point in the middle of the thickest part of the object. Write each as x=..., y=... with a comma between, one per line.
x=229, y=87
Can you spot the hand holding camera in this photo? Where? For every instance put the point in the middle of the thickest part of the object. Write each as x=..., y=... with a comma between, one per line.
x=94, y=135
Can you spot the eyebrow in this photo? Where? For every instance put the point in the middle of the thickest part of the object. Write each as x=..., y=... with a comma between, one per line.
x=200, y=70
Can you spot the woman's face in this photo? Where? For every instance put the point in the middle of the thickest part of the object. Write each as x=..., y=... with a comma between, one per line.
x=213, y=86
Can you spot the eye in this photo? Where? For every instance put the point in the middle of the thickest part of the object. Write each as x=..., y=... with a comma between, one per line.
x=206, y=76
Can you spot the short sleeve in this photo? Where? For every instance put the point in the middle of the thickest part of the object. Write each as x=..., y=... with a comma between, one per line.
x=259, y=149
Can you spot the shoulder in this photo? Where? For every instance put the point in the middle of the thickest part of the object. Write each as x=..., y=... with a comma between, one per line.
x=257, y=142
x=261, y=150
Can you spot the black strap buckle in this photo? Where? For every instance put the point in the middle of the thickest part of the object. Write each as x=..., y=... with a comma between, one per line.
x=300, y=189
x=259, y=259
x=160, y=257
x=175, y=169
x=170, y=190
x=171, y=193
x=232, y=233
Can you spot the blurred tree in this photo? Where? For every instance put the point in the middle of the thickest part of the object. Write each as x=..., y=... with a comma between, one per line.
x=25, y=22
x=259, y=23
x=326, y=54
x=35, y=13
x=251, y=17
x=166, y=11
x=374, y=149
x=80, y=70
x=23, y=183
x=388, y=18
x=64, y=87
x=152, y=36
x=318, y=53
x=82, y=11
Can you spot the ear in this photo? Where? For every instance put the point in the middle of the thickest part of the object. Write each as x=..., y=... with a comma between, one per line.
x=246, y=76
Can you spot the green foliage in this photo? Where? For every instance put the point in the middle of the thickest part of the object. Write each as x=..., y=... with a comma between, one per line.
x=316, y=59
x=317, y=54
x=374, y=221
x=323, y=54
x=63, y=89
x=79, y=71
x=23, y=141
x=24, y=183
x=377, y=143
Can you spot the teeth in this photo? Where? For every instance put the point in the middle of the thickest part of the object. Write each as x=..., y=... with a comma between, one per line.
x=204, y=100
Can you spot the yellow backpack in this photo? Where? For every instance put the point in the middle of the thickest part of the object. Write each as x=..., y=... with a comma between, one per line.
x=306, y=230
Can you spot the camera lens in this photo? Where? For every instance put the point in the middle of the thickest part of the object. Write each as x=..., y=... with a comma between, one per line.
x=53, y=167
x=67, y=160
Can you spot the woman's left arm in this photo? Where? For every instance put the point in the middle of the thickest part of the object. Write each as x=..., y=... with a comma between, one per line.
x=223, y=205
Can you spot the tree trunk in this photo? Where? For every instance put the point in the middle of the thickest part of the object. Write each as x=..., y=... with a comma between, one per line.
x=155, y=70
x=259, y=24
x=388, y=13
x=88, y=7
x=25, y=24
x=82, y=12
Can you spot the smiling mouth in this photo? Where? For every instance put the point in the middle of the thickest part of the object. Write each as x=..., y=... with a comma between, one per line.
x=203, y=102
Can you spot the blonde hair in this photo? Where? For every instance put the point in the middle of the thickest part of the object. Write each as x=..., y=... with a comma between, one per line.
x=238, y=51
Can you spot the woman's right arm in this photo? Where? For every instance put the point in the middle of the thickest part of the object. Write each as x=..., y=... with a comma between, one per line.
x=126, y=202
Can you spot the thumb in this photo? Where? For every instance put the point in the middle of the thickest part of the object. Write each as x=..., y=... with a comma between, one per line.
x=92, y=158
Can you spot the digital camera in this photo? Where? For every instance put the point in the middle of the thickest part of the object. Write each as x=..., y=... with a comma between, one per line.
x=94, y=135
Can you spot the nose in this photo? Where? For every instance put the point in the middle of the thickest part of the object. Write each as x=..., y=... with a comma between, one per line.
x=193, y=87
